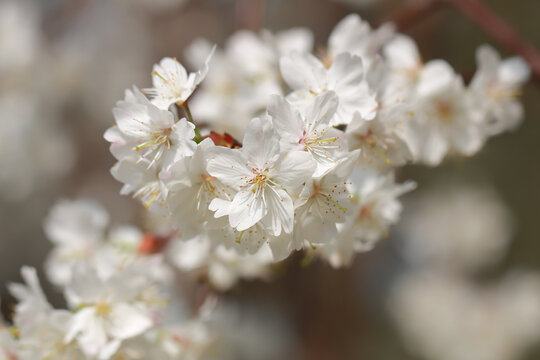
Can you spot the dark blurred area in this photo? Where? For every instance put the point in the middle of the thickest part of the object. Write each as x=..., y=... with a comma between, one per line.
x=89, y=51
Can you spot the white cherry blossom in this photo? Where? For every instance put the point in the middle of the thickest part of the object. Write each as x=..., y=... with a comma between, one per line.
x=381, y=140
x=464, y=228
x=444, y=117
x=262, y=177
x=190, y=188
x=498, y=321
x=497, y=86
x=223, y=267
x=355, y=36
x=324, y=202
x=41, y=328
x=172, y=84
x=108, y=311
x=148, y=131
x=375, y=207
x=251, y=240
x=242, y=77
x=310, y=132
x=308, y=77
x=76, y=228
x=141, y=182
x=404, y=64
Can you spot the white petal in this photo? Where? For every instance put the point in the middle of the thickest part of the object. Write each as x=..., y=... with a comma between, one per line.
x=167, y=69
x=435, y=148
x=127, y=321
x=229, y=166
x=248, y=207
x=316, y=231
x=261, y=144
x=221, y=207
x=281, y=246
x=286, y=120
x=296, y=39
x=203, y=71
x=402, y=53
x=435, y=78
x=347, y=70
x=348, y=34
x=514, y=71
x=182, y=134
x=90, y=329
x=293, y=168
x=303, y=71
x=280, y=211
x=132, y=119
x=322, y=110
x=190, y=254
x=109, y=349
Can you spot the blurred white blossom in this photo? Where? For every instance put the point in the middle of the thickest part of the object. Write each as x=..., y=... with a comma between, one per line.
x=446, y=317
x=463, y=228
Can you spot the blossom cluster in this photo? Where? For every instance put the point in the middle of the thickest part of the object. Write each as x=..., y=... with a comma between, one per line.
x=123, y=301
x=280, y=149
x=267, y=148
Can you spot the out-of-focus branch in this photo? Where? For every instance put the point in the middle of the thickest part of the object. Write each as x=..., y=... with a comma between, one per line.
x=250, y=14
x=496, y=27
x=482, y=16
x=413, y=12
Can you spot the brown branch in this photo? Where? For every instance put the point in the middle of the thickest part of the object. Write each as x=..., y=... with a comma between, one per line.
x=250, y=14
x=482, y=16
x=497, y=28
x=412, y=13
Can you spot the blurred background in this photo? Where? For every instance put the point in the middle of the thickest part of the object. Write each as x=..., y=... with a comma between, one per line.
x=435, y=289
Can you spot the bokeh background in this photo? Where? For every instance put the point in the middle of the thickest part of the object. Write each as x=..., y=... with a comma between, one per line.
x=64, y=64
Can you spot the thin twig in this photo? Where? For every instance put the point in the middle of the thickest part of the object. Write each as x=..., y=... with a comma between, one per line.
x=198, y=137
x=250, y=14
x=412, y=13
x=482, y=16
x=497, y=28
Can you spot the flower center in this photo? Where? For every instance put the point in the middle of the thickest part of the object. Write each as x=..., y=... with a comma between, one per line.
x=157, y=139
x=373, y=144
x=102, y=308
x=445, y=111
x=148, y=193
x=365, y=211
x=259, y=180
x=207, y=191
x=316, y=140
x=174, y=87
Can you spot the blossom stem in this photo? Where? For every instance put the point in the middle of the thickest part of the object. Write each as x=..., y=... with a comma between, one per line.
x=198, y=137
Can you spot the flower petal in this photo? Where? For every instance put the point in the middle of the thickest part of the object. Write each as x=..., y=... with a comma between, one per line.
x=126, y=321
x=293, y=168
x=229, y=166
x=248, y=207
x=260, y=144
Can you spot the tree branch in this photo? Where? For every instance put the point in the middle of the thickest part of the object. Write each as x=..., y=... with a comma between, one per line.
x=412, y=13
x=482, y=16
x=250, y=14
x=498, y=29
